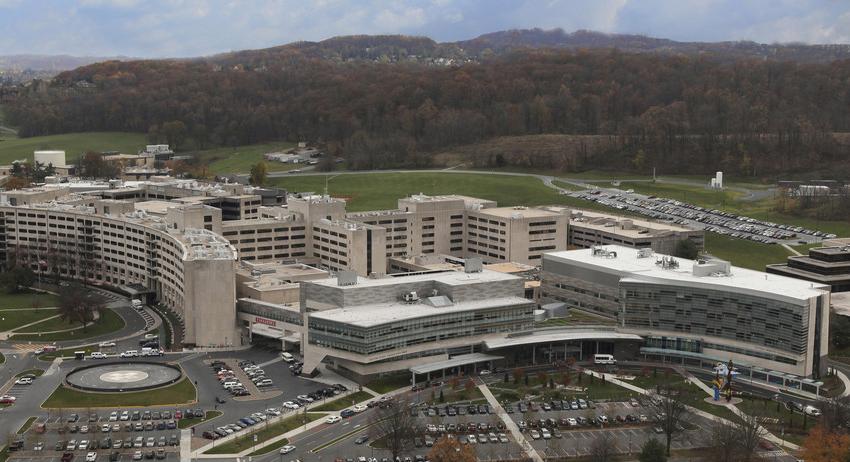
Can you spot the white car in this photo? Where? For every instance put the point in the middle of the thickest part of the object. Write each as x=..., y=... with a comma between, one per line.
x=97, y=355
x=105, y=428
x=106, y=344
x=273, y=411
x=91, y=457
x=113, y=416
x=130, y=354
x=360, y=408
x=484, y=372
x=291, y=405
x=287, y=449
x=23, y=381
x=332, y=419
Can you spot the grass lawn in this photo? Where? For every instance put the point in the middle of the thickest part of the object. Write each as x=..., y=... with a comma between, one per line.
x=264, y=432
x=182, y=392
x=240, y=159
x=743, y=253
x=186, y=423
x=389, y=383
x=270, y=448
x=28, y=300
x=11, y=320
x=73, y=144
x=341, y=403
x=382, y=190
x=109, y=322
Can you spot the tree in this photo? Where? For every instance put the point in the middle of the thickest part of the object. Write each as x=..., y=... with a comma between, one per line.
x=824, y=446
x=750, y=430
x=76, y=304
x=451, y=450
x=17, y=279
x=686, y=248
x=394, y=423
x=668, y=402
x=723, y=442
x=92, y=165
x=259, y=172
x=652, y=451
x=174, y=133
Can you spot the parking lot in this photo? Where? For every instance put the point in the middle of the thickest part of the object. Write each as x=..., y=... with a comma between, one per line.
x=718, y=221
x=149, y=434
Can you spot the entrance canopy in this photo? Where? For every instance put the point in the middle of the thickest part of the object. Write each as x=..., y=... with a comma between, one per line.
x=461, y=360
x=558, y=336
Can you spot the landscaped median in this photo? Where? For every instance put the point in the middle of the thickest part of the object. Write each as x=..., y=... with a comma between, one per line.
x=263, y=433
x=182, y=392
x=187, y=423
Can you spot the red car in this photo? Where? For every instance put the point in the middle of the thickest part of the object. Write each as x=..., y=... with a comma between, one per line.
x=178, y=414
x=7, y=399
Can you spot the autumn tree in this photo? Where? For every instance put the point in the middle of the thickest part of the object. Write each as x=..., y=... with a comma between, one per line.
x=822, y=445
x=451, y=450
x=259, y=172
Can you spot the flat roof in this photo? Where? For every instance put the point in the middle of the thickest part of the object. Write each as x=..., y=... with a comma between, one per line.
x=384, y=313
x=509, y=267
x=517, y=212
x=454, y=278
x=155, y=207
x=631, y=266
x=461, y=360
x=597, y=220
x=558, y=336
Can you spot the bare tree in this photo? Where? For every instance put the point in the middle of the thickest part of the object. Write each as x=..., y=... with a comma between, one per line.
x=835, y=413
x=723, y=442
x=394, y=422
x=602, y=449
x=751, y=431
x=668, y=405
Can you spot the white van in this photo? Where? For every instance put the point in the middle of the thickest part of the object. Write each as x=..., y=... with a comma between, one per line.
x=287, y=357
x=97, y=355
x=136, y=303
x=129, y=354
x=151, y=352
x=604, y=359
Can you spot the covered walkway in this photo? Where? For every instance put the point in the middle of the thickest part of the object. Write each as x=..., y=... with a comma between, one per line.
x=458, y=361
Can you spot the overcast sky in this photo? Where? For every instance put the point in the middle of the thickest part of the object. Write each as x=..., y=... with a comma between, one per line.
x=181, y=28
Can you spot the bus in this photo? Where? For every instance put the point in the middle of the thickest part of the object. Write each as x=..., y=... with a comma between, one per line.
x=604, y=359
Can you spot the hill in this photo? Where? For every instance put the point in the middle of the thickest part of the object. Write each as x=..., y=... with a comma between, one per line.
x=511, y=40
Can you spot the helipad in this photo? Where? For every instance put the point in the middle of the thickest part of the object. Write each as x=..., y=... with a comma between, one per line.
x=123, y=376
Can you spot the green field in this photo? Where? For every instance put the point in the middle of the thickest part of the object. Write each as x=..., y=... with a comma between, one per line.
x=389, y=383
x=747, y=254
x=240, y=159
x=182, y=392
x=109, y=322
x=698, y=195
x=382, y=190
x=73, y=144
x=264, y=433
x=13, y=319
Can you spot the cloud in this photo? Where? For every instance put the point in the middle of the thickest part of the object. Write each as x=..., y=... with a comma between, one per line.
x=159, y=28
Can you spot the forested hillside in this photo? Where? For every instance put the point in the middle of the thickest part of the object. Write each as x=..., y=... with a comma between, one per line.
x=688, y=114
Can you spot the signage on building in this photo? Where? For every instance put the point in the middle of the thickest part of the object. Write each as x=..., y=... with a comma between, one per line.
x=268, y=322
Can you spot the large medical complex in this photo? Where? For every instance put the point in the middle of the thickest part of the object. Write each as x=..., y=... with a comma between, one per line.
x=437, y=282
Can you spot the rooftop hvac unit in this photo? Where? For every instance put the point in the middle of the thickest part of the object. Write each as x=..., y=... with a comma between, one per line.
x=410, y=297
x=644, y=253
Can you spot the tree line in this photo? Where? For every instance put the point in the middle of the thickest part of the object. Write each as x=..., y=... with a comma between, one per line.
x=685, y=114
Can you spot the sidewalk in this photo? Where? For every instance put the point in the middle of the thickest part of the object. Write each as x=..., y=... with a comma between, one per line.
x=509, y=423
